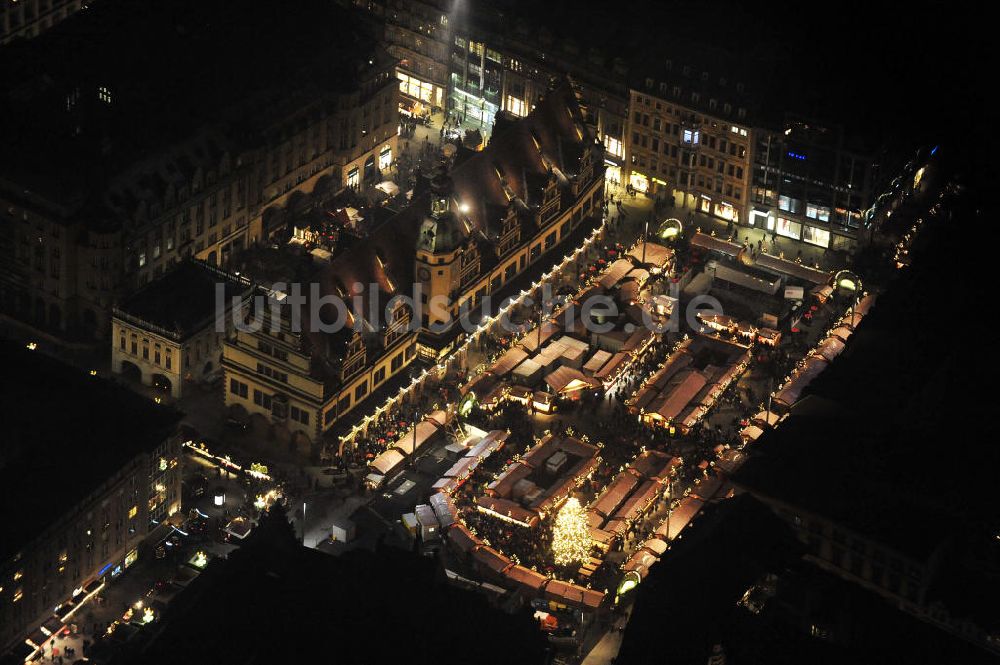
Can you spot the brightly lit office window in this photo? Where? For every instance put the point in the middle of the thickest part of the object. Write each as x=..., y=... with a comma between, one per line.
x=516, y=106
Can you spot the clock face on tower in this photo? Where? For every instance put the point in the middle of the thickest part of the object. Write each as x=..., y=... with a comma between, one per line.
x=423, y=274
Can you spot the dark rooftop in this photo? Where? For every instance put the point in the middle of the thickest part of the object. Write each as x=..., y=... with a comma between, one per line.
x=121, y=80
x=64, y=433
x=184, y=300
x=273, y=601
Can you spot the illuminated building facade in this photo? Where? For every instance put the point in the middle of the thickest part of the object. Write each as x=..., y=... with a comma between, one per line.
x=110, y=181
x=417, y=35
x=24, y=19
x=686, y=144
x=808, y=185
x=90, y=495
x=170, y=333
x=469, y=233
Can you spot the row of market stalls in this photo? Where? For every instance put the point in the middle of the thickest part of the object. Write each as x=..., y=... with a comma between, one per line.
x=561, y=358
x=637, y=566
x=822, y=355
x=774, y=264
x=629, y=498
x=440, y=513
x=405, y=446
x=743, y=331
x=689, y=382
x=495, y=565
x=539, y=481
x=476, y=453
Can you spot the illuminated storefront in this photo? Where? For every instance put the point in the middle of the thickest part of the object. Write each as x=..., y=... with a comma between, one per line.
x=612, y=172
x=788, y=228
x=639, y=182
x=422, y=90
x=385, y=158
x=725, y=210
x=705, y=204
x=816, y=236
x=473, y=108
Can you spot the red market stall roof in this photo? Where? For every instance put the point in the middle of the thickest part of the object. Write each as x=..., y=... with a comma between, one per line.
x=494, y=440
x=843, y=333
x=408, y=443
x=628, y=292
x=656, y=254
x=508, y=361
x=865, y=304
x=387, y=461
x=611, y=368
x=680, y=396
x=462, y=538
x=811, y=367
x=717, y=321
x=572, y=594
x=640, y=562
x=506, y=509
x=852, y=319
x=642, y=498
x=567, y=380
x=637, y=339
x=489, y=558
x=596, y=362
x=504, y=485
x=614, y=494
x=526, y=577
x=654, y=465
x=601, y=537
x=439, y=417
x=829, y=348
x=656, y=546
x=615, y=272
x=530, y=339
x=766, y=418
x=680, y=518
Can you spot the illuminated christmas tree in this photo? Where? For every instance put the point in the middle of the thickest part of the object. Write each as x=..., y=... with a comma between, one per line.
x=570, y=534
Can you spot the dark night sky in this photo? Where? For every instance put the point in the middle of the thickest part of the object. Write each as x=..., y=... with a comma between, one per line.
x=894, y=71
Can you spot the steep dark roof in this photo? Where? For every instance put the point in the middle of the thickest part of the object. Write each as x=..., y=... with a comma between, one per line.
x=64, y=433
x=184, y=300
x=170, y=71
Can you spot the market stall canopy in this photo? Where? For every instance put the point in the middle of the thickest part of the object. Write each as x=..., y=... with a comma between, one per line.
x=596, y=362
x=387, y=461
x=567, y=379
x=425, y=430
x=508, y=510
x=462, y=538
x=508, y=361
x=656, y=255
x=389, y=187
x=615, y=272
x=526, y=577
x=491, y=559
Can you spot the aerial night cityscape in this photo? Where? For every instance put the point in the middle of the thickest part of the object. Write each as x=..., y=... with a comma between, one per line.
x=495, y=332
